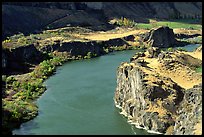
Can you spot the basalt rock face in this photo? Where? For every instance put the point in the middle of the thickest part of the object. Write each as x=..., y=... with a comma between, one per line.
x=162, y=37
x=155, y=102
x=190, y=113
x=75, y=48
x=22, y=58
x=186, y=36
x=142, y=102
x=19, y=59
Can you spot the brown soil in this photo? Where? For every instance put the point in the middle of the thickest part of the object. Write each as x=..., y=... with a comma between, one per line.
x=195, y=54
x=183, y=75
x=117, y=33
x=187, y=31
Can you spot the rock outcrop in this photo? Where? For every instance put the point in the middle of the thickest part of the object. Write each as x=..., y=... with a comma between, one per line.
x=21, y=58
x=154, y=101
x=189, y=120
x=162, y=37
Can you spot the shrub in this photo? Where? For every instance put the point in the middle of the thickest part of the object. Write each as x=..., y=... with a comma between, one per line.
x=7, y=41
x=199, y=69
x=170, y=49
x=106, y=50
x=10, y=79
x=181, y=49
x=89, y=55
x=126, y=22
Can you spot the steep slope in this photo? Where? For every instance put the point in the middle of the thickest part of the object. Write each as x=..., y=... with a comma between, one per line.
x=28, y=17
x=161, y=94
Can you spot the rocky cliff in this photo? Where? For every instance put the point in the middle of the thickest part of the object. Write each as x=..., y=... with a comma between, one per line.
x=21, y=58
x=157, y=101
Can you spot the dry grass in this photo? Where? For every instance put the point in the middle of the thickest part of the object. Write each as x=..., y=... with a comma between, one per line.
x=172, y=97
x=170, y=130
x=198, y=129
x=111, y=35
x=195, y=54
x=187, y=31
x=157, y=108
x=182, y=75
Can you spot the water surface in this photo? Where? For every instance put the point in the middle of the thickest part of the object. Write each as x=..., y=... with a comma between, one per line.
x=79, y=100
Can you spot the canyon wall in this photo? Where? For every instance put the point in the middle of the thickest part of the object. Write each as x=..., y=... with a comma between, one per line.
x=155, y=102
x=20, y=59
x=29, y=17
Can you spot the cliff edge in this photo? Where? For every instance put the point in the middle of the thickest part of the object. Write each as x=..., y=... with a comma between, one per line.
x=161, y=92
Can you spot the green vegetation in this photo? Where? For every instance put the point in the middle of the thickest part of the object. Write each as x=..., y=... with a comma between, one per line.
x=170, y=49
x=16, y=112
x=199, y=69
x=43, y=39
x=174, y=23
x=90, y=55
x=181, y=49
x=125, y=22
x=47, y=67
x=194, y=40
x=106, y=50
x=21, y=92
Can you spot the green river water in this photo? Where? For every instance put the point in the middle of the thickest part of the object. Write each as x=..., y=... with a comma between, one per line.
x=79, y=100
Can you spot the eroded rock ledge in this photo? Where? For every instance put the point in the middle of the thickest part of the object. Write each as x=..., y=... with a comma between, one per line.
x=153, y=100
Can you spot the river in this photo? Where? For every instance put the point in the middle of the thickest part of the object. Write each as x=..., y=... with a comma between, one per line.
x=79, y=100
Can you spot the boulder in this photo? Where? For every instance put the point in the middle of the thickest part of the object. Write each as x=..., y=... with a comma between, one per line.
x=162, y=37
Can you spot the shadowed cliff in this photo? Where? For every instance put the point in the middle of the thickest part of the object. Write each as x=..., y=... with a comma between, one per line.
x=34, y=16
